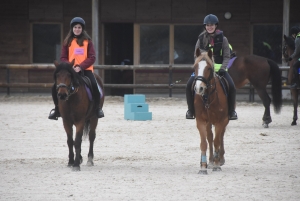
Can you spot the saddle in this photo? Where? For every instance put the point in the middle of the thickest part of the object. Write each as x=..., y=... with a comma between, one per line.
x=224, y=84
x=87, y=82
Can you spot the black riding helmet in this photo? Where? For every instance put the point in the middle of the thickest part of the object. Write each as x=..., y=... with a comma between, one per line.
x=294, y=30
x=211, y=19
x=77, y=20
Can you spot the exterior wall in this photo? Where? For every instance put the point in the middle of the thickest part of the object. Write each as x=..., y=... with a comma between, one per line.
x=17, y=16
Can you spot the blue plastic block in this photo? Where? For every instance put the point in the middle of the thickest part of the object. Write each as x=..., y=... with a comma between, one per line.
x=135, y=108
x=134, y=98
x=139, y=116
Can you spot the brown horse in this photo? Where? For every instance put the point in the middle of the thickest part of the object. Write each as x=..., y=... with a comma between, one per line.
x=258, y=71
x=211, y=108
x=288, y=49
x=77, y=109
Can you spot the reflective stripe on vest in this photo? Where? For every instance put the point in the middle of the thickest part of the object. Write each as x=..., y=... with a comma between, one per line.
x=79, y=53
x=217, y=67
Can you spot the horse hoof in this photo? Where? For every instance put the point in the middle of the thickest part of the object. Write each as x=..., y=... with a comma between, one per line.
x=294, y=123
x=70, y=164
x=265, y=125
x=202, y=172
x=90, y=163
x=210, y=165
x=76, y=169
x=222, y=161
x=217, y=169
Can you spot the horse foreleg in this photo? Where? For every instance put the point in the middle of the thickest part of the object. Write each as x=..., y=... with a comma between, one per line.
x=203, y=147
x=222, y=150
x=92, y=136
x=218, y=153
x=262, y=93
x=295, y=104
x=210, y=145
x=70, y=142
x=77, y=145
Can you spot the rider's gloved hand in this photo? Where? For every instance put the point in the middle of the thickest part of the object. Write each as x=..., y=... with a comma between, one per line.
x=221, y=72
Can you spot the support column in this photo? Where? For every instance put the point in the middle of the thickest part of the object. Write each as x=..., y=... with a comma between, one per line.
x=285, y=31
x=95, y=29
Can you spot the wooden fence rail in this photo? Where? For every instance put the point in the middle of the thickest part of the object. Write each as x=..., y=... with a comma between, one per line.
x=169, y=86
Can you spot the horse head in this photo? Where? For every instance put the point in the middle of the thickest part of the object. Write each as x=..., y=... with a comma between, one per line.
x=66, y=79
x=203, y=71
x=288, y=48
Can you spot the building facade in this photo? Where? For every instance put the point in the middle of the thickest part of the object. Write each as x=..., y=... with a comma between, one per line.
x=136, y=32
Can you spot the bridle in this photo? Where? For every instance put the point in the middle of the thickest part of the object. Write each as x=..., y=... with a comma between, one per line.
x=70, y=89
x=205, y=95
x=284, y=52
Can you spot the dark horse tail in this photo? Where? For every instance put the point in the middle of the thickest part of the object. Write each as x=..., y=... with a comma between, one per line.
x=276, y=86
x=86, y=128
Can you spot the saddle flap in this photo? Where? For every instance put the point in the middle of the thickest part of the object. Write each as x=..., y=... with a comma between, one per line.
x=224, y=84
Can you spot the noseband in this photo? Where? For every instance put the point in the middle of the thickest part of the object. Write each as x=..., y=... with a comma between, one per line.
x=70, y=89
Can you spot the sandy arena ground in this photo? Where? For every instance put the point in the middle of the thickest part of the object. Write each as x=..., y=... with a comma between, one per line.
x=145, y=160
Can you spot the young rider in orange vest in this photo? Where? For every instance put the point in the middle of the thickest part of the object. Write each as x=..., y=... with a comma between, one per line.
x=213, y=38
x=78, y=45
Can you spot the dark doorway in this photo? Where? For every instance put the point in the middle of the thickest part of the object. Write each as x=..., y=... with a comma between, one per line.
x=118, y=38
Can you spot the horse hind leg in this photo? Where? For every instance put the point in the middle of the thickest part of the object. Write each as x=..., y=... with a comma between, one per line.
x=217, y=165
x=266, y=102
x=92, y=136
x=295, y=104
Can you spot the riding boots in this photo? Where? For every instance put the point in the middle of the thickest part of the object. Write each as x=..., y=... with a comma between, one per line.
x=190, y=114
x=231, y=97
x=54, y=113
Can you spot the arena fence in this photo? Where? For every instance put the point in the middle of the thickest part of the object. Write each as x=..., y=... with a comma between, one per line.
x=171, y=85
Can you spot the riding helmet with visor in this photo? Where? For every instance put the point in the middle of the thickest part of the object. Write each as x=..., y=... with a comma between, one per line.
x=77, y=20
x=211, y=19
x=294, y=30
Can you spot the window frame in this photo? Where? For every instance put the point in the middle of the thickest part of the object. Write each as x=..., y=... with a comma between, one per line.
x=31, y=36
x=136, y=41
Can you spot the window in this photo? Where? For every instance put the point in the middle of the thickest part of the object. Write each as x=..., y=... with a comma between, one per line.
x=154, y=44
x=46, y=43
x=185, y=38
x=267, y=41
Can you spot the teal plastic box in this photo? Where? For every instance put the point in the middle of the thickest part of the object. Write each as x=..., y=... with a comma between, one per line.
x=135, y=108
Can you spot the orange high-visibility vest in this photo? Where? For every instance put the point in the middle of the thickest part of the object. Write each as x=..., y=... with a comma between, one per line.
x=79, y=53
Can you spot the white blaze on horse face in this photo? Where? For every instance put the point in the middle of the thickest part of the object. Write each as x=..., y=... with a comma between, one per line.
x=200, y=86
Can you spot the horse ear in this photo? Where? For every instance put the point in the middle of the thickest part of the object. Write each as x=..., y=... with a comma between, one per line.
x=56, y=63
x=73, y=61
x=210, y=54
x=197, y=53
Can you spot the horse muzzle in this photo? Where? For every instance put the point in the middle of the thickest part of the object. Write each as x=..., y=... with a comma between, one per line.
x=62, y=92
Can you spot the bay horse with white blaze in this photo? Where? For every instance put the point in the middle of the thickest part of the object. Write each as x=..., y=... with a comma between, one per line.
x=76, y=108
x=288, y=49
x=211, y=108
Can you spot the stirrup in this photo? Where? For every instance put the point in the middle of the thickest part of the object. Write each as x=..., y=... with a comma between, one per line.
x=100, y=113
x=189, y=115
x=233, y=116
x=53, y=115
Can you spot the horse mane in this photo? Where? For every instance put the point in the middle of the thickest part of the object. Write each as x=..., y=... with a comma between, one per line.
x=290, y=42
x=75, y=77
x=204, y=56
